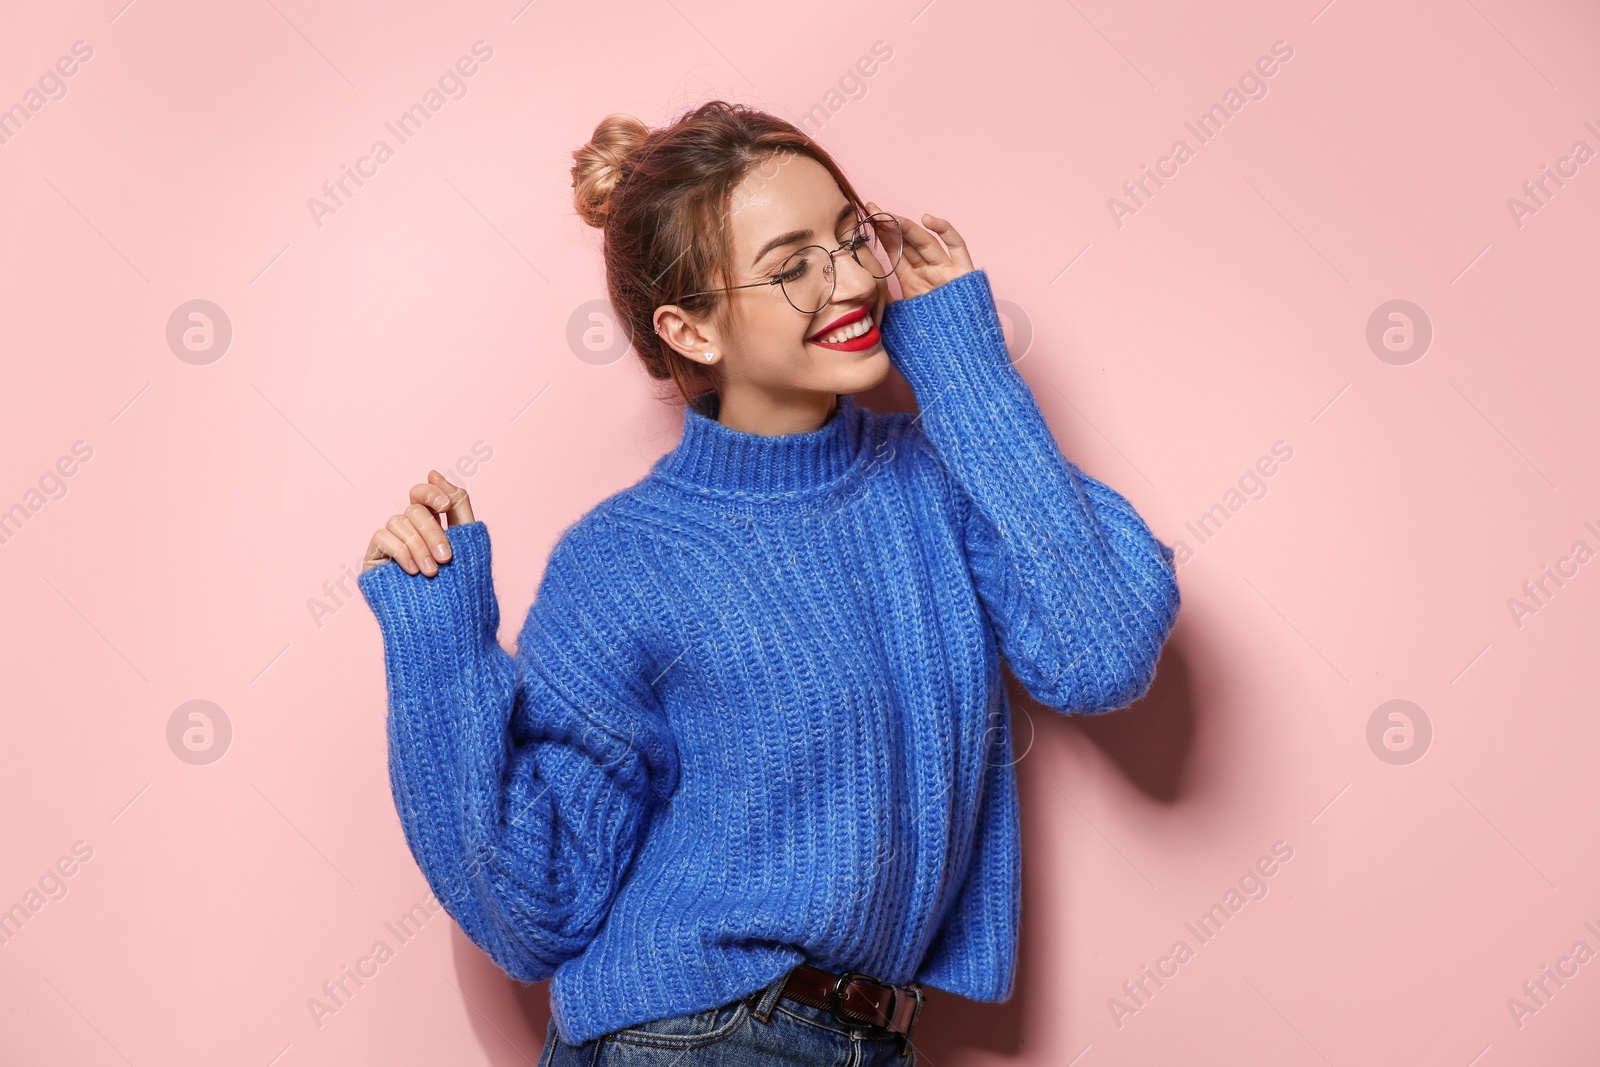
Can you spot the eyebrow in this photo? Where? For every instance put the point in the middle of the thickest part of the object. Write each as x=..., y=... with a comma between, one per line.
x=798, y=235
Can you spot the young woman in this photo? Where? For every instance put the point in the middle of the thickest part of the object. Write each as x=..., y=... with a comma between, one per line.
x=746, y=785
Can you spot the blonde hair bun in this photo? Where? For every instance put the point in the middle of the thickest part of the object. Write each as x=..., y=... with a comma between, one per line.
x=598, y=165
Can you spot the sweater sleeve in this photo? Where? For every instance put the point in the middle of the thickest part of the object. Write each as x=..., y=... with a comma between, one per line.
x=1080, y=593
x=523, y=783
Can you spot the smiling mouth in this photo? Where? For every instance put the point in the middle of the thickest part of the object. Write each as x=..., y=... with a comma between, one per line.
x=847, y=328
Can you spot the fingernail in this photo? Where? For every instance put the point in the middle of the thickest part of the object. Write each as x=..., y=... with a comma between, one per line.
x=441, y=551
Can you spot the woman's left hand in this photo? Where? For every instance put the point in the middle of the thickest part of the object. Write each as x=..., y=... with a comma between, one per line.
x=924, y=262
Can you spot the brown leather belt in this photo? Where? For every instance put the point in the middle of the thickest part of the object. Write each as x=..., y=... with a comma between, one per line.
x=857, y=999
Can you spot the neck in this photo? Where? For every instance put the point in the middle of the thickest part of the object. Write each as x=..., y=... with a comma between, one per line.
x=770, y=413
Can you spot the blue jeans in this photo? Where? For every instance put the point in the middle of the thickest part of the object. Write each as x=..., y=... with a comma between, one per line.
x=763, y=1028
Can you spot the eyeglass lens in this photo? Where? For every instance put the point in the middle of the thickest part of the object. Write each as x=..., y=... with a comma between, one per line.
x=808, y=277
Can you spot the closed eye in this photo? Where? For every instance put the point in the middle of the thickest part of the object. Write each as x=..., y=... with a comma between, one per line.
x=791, y=274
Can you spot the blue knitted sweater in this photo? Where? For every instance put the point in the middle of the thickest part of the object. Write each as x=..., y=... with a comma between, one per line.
x=755, y=716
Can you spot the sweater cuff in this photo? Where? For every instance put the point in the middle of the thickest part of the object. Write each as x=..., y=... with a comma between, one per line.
x=455, y=611
x=949, y=336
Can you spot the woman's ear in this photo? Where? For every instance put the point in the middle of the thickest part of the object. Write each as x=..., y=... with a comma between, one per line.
x=684, y=334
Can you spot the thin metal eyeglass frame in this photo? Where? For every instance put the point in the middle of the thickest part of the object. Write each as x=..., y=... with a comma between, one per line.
x=833, y=273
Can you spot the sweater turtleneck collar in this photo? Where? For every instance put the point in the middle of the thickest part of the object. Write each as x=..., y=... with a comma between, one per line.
x=717, y=457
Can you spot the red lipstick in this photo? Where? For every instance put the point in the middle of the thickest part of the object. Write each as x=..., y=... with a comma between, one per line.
x=855, y=344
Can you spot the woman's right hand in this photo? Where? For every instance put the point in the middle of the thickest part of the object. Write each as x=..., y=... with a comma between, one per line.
x=414, y=538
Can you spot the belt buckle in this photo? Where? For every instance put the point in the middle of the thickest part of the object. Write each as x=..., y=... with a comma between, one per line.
x=836, y=1000
x=905, y=1038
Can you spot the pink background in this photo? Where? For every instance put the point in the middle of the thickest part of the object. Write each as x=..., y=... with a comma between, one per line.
x=183, y=560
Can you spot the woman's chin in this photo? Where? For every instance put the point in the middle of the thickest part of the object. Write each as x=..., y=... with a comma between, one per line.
x=867, y=369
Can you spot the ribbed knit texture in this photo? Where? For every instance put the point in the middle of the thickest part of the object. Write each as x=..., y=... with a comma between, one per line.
x=755, y=715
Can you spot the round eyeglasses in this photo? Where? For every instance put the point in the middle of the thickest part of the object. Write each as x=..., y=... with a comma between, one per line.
x=807, y=277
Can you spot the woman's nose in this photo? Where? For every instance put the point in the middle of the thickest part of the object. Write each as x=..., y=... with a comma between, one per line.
x=850, y=278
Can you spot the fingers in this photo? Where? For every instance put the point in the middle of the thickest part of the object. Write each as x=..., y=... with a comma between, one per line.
x=402, y=542
x=416, y=542
x=426, y=499
x=377, y=552
x=428, y=544
x=387, y=545
x=414, y=539
x=953, y=240
x=459, y=504
x=909, y=253
x=919, y=248
x=432, y=494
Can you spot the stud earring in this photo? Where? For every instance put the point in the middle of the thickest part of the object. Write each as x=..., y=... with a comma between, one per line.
x=710, y=356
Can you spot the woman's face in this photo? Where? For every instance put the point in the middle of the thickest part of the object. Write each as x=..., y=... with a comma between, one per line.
x=789, y=202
